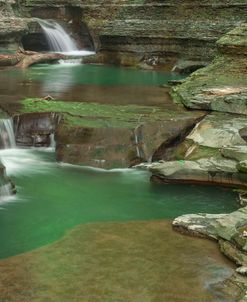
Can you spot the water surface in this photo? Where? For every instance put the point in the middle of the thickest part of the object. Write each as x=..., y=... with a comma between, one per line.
x=87, y=83
x=53, y=198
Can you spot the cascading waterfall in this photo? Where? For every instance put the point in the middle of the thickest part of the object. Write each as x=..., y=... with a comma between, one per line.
x=59, y=41
x=7, y=140
x=7, y=136
x=57, y=38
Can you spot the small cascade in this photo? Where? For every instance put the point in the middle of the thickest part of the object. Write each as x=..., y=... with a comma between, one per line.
x=57, y=37
x=52, y=141
x=138, y=141
x=6, y=193
x=7, y=136
x=7, y=141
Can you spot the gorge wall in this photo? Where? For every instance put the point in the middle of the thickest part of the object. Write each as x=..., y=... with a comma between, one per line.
x=143, y=33
x=160, y=32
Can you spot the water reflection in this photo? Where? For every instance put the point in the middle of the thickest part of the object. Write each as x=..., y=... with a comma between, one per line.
x=55, y=82
x=88, y=83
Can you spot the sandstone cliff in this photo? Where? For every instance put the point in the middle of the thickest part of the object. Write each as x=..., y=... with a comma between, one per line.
x=142, y=33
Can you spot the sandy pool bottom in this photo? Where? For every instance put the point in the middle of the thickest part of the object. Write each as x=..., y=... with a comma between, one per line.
x=118, y=262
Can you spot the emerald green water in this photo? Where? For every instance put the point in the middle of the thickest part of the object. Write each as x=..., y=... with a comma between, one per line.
x=87, y=83
x=53, y=198
x=93, y=74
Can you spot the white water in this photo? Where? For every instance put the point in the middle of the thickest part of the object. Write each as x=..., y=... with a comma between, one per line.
x=58, y=39
x=7, y=138
x=60, y=42
x=7, y=135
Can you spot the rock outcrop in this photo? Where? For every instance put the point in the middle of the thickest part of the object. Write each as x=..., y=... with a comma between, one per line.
x=36, y=129
x=230, y=230
x=12, y=27
x=140, y=33
x=158, y=33
x=222, y=86
x=203, y=171
x=215, y=150
x=99, y=135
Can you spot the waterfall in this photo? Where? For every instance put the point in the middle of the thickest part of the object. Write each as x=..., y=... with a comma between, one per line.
x=57, y=37
x=7, y=136
x=7, y=141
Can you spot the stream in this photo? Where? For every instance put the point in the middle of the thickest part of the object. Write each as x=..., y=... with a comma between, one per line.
x=87, y=234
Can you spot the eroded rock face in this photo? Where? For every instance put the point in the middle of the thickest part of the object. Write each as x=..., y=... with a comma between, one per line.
x=215, y=150
x=35, y=129
x=116, y=146
x=222, y=86
x=160, y=33
x=204, y=171
x=11, y=26
x=228, y=229
x=148, y=35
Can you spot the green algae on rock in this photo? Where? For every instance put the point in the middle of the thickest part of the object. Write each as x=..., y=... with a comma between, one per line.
x=111, y=135
x=222, y=86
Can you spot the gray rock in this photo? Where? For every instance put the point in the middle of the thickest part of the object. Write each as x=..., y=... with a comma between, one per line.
x=242, y=270
x=238, y=152
x=242, y=166
x=205, y=170
x=217, y=130
x=228, y=229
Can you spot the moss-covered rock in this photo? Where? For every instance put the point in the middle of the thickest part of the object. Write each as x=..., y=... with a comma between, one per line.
x=104, y=135
x=147, y=32
x=222, y=86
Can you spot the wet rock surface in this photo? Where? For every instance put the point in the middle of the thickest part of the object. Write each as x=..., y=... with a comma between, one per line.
x=208, y=171
x=35, y=130
x=7, y=187
x=228, y=229
x=222, y=85
x=214, y=152
x=135, y=34
x=101, y=135
x=144, y=34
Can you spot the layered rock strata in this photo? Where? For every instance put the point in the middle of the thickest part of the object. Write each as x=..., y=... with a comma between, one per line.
x=136, y=33
x=160, y=33
x=215, y=150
